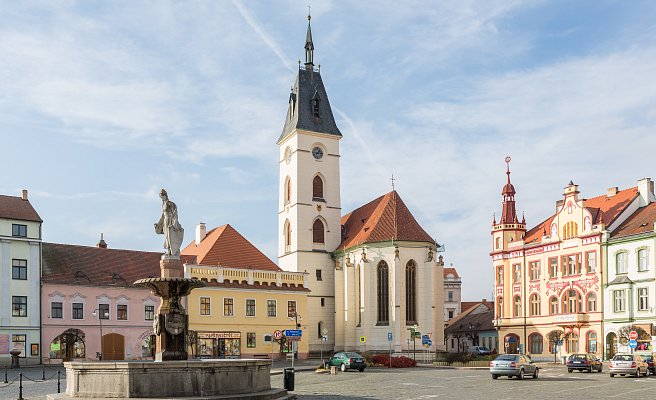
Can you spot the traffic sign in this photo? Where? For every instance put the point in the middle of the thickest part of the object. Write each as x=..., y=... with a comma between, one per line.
x=293, y=333
x=389, y=336
x=424, y=339
x=363, y=339
x=428, y=343
x=324, y=338
x=633, y=343
x=277, y=335
x=633, y=335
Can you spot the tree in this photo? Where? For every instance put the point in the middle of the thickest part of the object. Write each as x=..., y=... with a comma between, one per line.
x=554, y=337
x=623, y=333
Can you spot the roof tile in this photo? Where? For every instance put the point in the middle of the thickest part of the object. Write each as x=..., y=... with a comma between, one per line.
x=12, y=207
x=642, y=221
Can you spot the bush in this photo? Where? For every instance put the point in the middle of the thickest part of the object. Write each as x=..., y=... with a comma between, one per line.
x=459, y=357
x=397, y=362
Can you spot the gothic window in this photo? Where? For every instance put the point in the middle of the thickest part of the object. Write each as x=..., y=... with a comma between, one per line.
x=288, y=236
x=317, y=187
x=383, y=293
x=288, y=190
x=517, y=307
x=410, y=293
x=358, y=294
x=535, y=304
x=317, y=231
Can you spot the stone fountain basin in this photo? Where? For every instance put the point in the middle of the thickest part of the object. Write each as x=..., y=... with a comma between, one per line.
x=169, y=379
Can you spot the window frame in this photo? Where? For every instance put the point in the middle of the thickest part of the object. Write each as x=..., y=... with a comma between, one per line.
x=517, y=306
x=517, y=273
x=121, y=312
x=594, y=302
x=16, y=265
x=411, y=293
x=534, y=268
x=621, y=255
x=591, y=268
x=534, y=302
x=251, y=340
x=382, y=294
x=291, y=311
x=251, y=307
x=640, y=267
x=19, y=230
x=148, y=312
x=619, y=300
x=269, y=308
x=205, y=306
x=643, y=298
x=19, y=306
x=59, y=309
x=228, y=307
x=75, y=310
x=104, y=309
x=553, y=267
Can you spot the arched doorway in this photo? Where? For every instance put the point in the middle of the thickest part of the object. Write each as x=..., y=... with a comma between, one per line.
x=113, y=346
x=511, y=343
x=611, y=345
x=68, y=345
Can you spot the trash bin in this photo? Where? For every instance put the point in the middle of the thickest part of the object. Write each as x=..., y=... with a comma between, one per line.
x=288, y=379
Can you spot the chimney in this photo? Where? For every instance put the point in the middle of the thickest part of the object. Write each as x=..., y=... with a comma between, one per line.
x=559, y=204
x=484, y=301
x=201, y=231
x=102, y=244
x=646, y=190
x=612, y=191
x=24, y=194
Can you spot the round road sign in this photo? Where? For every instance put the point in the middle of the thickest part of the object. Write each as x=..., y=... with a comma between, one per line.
x=633, y=344
x=277, y=335
x=633, y=335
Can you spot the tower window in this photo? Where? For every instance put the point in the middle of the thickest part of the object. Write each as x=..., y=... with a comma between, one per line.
x=318, y=272
x=315, y=105
x=383, y=293
x=317, y=232
x=317, y=188
x=288, y=190
x=288, y=236
x=411, y=293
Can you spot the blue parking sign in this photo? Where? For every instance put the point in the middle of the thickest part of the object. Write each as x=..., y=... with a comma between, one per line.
x=389, y=336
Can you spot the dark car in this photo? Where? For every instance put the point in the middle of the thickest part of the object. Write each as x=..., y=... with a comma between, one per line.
x=583, y=362
x=347, y=360
x=649, y=359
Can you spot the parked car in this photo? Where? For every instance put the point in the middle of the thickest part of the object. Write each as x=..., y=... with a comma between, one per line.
x=510, y=365
x=583, y=362
x=480, y=350
x=628, y=364
x=649, y=359
x=346, y=360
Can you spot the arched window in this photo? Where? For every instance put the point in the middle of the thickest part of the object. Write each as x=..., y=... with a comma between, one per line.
x=500, y=307
x=570, y=230
x=287, y=231
x=620, y=262
x=383, y=293
x=317, y=187
x=317, y=231
x=535, y=304
x=591, y=342
x=572, y=302
x=410, y=293
x=517, y=307
x=642, y=260
x=288, y=190
x=535, y=341
x=320, y=329
x=553, y=306
x=497, y=243
x=573, y=343
x=592, y=302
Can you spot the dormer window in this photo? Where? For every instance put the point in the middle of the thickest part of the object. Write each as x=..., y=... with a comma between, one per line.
x=315, y=105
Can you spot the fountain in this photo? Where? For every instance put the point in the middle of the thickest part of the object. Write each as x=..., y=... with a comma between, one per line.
x=171, y=375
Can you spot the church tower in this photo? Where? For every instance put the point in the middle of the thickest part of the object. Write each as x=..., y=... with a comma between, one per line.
x=309, y=208
x=509, y=228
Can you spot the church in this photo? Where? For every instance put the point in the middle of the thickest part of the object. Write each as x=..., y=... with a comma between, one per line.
x=373, y=273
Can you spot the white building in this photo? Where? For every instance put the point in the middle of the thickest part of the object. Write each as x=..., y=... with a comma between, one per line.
x=20, y=271
x=452, y=293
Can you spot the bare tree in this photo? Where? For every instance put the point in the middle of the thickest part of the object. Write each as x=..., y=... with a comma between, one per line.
x=554, y=337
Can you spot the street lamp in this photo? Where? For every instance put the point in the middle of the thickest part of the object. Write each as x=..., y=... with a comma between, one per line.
x=105, y=314
x=296, y=317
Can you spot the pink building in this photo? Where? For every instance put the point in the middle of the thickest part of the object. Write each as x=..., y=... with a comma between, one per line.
x=81, y=284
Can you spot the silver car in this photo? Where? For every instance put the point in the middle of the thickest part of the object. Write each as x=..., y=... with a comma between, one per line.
x=628, y=364
x=510, y=365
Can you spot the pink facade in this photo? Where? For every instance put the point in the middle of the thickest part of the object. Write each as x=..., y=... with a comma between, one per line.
x=71, y=331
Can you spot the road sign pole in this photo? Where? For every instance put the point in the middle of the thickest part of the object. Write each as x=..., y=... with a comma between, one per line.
x=390, y=354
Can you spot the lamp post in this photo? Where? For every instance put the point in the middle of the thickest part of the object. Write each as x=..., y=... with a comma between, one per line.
x=295, y=318
x=95, y=313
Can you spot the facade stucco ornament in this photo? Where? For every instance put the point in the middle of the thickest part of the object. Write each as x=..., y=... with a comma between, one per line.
x=364, y=255
x=430, y=254
x=169, y=226
x=396, y=253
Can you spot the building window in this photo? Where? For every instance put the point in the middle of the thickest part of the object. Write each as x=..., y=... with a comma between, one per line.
x=19, y=306
x=499, y=275
x=318, y=273
x=592, y=302
x=122, y=312
x=618, y=300
x=78, y=311
x=250, y=339
x=620, y=262
x=572, y=302
x=317, y=188
x=591, y=342
x=18, y=230
x=570, y=230
x=320, y=329
x=382, y=292
x=291, y=309
x=450, y=295
x=19, y=343
x=149, y=313
x=571, y=264
x=643, y=300
x=317, y=231
x=288, y=190
x=271, y=308
x=573, y=343
x=553, y=306
x=250, y=307
x=228, y=307
x=535, y=304
x=534, y=268
x=517, y=273
x=205, y=306
x=411, y=293
x=103, y=310
x=19, y=269
x=535, y=343
x=642, y=260
x=500, y=307
x=553, y=267
x=56, y=310
x=497, y=243
x=451, y=312
x=288, y=236
x=591, y=262
x=323, y=302
x=517, y=307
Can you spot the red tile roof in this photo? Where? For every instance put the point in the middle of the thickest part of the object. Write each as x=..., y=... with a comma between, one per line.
x=604, y=210
x=224, y=246
x=375, y=222
x=92, y=266
x=466, y=305
x=12, y=207
x=453, y=271
x=642, y=221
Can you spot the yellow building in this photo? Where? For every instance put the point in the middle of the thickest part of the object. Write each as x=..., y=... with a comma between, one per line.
x=549, y=278
x=247, y=298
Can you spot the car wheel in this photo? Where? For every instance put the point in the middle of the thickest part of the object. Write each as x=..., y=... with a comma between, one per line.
x=570, y=370
x=612, y=375
x=495, y=376
x=342, y=368
x=521, y=374
x=590, y=370
x=637, y=374
x=361, y=369
x=536, y=373
x=600, y=368
x=647, y=372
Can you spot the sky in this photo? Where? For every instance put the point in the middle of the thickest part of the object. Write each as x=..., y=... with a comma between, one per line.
x=104, y=103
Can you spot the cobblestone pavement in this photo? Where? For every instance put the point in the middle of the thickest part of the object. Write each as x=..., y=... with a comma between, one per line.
x=33, y=385
x=430, y=383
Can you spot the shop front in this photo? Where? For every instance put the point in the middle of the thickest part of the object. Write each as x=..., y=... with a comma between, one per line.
x=219, y=345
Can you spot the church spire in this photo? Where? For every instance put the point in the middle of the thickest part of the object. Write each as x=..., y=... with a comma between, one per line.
x=309, y=46
x=508, y=215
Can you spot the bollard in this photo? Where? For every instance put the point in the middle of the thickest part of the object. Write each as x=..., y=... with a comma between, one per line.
x=6, y=381
x=43, y=375
x=58, y=382
x=20, y=387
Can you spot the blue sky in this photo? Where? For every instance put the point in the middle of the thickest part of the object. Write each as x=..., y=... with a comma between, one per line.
x=104, y=103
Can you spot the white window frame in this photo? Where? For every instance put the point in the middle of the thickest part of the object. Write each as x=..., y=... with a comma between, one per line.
x=254, y=308
x=621, y=261
x=619, y=297
x=643, y=296
x=275, y=308
x=641, y=267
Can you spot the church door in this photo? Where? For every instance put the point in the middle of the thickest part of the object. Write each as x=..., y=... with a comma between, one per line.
x=113, y=346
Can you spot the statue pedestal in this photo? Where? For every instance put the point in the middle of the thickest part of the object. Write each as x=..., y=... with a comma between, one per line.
x=171, y=267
